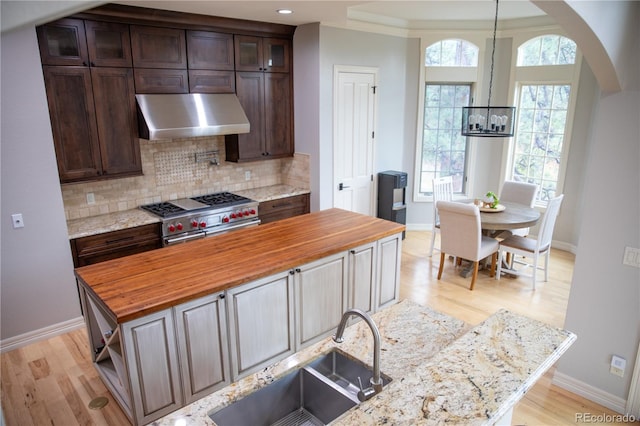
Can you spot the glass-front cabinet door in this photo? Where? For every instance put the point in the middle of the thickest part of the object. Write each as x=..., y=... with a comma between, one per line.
x=262, y=54
x=109, y=44
x=63, y=43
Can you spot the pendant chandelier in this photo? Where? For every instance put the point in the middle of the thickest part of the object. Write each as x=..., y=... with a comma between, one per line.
x=489, y=121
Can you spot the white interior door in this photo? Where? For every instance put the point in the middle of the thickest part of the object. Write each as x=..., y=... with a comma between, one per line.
x=354, y=125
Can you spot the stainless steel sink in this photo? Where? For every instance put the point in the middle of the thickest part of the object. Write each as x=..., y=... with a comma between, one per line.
x=345, y=371
x=315, y=394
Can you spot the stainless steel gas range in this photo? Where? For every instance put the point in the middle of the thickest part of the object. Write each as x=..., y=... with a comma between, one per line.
x=188, y=219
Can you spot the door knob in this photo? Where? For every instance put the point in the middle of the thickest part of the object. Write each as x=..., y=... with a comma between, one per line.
x=342, y=186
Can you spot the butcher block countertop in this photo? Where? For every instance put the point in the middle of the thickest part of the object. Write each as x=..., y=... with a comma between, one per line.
x=138, y=285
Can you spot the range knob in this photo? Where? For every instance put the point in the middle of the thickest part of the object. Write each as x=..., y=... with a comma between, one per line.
x=225, y=219
x=179, y=226
x=233, y=215
x=252, y=211
x=171, y=228
x=203, y=224
x=194, y=223
x=246, y=213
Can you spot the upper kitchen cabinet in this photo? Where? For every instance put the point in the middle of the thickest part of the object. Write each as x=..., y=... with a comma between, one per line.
x=264, y=88
x=210, y=62
x=108, y=43
x=93, y=121
x=262, y=54
x=159, y=59
x=156, y=47
x=84, y=43
x=208, y=50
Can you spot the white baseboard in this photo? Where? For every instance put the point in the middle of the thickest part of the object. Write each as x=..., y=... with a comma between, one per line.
x=592, y=393
x=41, y=334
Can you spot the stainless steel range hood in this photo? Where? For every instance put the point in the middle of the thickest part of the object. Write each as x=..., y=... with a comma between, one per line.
x=165, y=116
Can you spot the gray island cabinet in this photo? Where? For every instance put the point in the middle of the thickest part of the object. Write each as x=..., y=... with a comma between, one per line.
x=170, y=326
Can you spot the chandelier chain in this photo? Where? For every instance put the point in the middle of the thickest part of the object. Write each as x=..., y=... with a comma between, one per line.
x=493, y=52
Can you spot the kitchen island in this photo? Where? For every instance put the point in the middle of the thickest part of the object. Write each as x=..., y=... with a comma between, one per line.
x=169, y=326
x=442, y=370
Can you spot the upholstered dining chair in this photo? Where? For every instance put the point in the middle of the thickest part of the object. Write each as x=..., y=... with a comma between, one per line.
x=532, y=248
x=442, y=191
x=461, y=236
x=522, y=193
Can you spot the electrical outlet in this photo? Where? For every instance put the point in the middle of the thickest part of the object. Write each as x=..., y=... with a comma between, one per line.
x=631, y=257
x=17, y=220
x=247, y=175
x=617, y=365
x=91, y=198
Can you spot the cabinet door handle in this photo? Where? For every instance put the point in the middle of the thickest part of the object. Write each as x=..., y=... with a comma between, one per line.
x=222, y=296
x=291, y=272
x=298, y=270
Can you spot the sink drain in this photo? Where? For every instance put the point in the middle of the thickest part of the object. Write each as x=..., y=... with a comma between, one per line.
x=98, y=403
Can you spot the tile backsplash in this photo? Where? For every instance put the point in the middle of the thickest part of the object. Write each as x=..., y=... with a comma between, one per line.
x=170, y=171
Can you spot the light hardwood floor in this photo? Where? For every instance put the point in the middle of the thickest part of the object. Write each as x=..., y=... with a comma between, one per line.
x=53, y=381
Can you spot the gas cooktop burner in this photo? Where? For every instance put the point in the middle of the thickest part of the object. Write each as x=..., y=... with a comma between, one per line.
x=163, y=209
x=170, y=209
x=221, y=198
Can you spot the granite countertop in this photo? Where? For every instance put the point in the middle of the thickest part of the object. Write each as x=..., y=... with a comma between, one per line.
x=109, y=222
x=443, y=371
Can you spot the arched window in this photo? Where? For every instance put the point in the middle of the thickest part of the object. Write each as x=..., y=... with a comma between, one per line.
x=547, y=50
x=443, y=151
x=452, y=53
x=543, y=112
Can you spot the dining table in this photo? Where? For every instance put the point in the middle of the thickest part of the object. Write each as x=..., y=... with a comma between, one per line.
x=507, y=216
x=512, y=216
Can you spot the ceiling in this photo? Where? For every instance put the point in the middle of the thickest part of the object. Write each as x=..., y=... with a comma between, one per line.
x=400, y=14
x=396, y=14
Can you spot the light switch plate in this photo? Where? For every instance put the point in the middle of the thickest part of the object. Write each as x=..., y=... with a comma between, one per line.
x=617, y=365
x=631, y=257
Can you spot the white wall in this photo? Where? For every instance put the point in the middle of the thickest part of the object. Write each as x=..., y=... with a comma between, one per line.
x=38, y=286
x=395, y=125
x=604, y=305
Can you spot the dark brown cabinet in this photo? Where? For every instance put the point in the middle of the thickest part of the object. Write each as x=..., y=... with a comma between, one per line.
x=282, y=208
x=210, y=62
x=159, y=59
x=108, y=44
x=262, y=54
x=92, y=112
x=114, y=95
x=158, y=47
x=73, y=122
x=112, y=245
x=266, y=95
x=266, y=100
x=83, y=43
x=91, y=98
x=63, y=42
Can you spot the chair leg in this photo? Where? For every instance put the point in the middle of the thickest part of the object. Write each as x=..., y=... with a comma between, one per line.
x=499, y=271
x=493, y=265
x=546, y=265
x=433, y=241
x=508, y=258
x=535, y=269
x=441, y=265
x=475, y=274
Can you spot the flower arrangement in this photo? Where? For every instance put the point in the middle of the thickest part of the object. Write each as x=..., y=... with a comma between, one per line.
x=494, y=200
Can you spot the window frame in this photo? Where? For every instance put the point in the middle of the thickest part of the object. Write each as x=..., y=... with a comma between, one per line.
x=447, y=75
x=542, y=75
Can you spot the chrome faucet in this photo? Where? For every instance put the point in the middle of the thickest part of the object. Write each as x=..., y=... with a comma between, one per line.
x=376, y=380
